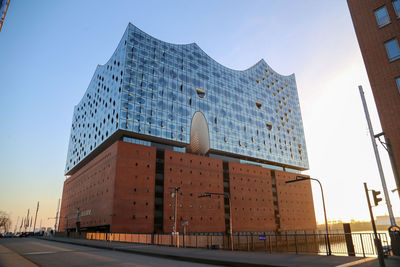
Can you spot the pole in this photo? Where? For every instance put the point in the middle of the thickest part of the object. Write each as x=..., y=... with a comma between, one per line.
x=303, y=178
x=37, y=209
x=225, y=195
x=230, y=222
x=175, y=210
x=176, y=189
x=393, y=163
x=184, y=235
x=16, y=225
x=58, y=210
x=27, y=221
x=22, y=223
x=378, y=160
x=78, y=223
x=326, y=220
x=378, y=243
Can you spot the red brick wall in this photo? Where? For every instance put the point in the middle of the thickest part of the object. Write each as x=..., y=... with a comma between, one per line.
x=194, y=175
x=133, y=207
x=251, y=196
x=90, y=188
x=381, y=72
x=118, y=187
x=295, y=202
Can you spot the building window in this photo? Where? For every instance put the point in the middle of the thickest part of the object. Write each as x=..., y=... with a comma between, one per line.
x=269, y=125
x=396, y=6
x=200, y=92
x=392, y=49
x=382, y=17
x=398, y=83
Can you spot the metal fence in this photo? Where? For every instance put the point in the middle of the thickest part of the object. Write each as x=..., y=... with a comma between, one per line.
x=299, y=243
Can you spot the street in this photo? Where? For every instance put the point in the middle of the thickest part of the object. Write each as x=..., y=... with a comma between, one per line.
x=21, y=252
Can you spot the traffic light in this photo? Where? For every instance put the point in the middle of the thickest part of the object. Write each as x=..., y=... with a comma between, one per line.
x=377, y=199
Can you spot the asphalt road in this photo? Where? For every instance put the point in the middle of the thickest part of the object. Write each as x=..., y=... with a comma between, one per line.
x=29, y=252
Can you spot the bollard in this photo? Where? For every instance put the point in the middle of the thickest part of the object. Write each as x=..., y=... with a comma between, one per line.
x=349, y=239
x=395, y=240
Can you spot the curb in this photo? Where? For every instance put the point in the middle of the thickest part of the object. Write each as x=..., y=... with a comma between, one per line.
x=168, y=256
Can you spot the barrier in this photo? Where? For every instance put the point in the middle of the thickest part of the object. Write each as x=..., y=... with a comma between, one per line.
x=292, y=242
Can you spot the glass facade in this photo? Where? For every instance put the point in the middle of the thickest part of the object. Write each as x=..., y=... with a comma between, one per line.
x=152, y=89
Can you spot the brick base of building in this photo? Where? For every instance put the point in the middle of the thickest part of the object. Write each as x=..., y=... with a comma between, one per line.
x=130, y=188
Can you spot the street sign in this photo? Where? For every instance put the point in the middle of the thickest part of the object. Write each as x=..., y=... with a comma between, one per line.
x=262, y=237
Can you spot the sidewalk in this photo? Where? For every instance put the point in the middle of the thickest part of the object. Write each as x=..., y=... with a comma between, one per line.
x=229, y=258
x=11, y=258
x=393, y=261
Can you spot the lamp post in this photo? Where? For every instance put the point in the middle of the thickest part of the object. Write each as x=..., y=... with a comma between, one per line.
x=387, y=145
x=378, y=160
x=175, y=196
x=303, y=178
x=225, y=195
x=65, y=217
x=66, y=228
x=78, y=223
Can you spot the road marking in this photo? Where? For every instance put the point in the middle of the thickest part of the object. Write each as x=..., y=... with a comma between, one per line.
x=39, y=252
x=356, y=262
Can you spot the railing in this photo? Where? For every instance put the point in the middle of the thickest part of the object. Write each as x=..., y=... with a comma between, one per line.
x=293, y=242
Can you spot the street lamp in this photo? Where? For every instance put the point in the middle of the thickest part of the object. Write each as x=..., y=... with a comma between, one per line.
x=175, y=196
x=225, y=195
x=303, y=178
x=388, y=146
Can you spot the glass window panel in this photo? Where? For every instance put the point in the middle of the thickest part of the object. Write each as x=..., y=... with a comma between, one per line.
x=382, y=17
x=396, y=6
x=392, y=49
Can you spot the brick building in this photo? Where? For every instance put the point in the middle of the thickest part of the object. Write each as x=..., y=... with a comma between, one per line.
x=158, y=116
x=377, y=27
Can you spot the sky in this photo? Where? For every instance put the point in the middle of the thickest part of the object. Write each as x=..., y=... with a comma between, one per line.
x=49, y=51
